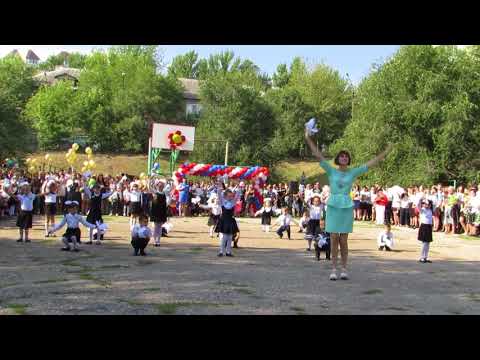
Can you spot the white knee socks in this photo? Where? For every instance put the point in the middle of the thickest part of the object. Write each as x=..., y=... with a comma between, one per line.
x=425, y=248
x=225, y=243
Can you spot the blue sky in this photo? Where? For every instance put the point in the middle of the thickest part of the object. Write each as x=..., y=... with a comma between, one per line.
x=356, y=60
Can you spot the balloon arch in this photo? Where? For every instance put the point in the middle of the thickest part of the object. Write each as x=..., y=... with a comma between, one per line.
x=233, y=172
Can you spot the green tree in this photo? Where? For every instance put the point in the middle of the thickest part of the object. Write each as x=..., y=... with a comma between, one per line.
x=52, y=114
x=235, y=110
x=16, y=87
x=73, y=60
x=184, y=66
x=425, y=100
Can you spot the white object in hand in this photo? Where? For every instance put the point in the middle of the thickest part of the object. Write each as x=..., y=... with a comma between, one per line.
x=311, y=126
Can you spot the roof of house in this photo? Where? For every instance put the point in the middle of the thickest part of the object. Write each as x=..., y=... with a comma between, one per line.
x=52, y=76
x=29, y=55
x=192, y=88
x=32, y=56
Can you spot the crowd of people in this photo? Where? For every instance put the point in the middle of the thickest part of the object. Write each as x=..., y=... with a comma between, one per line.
x=455, y=210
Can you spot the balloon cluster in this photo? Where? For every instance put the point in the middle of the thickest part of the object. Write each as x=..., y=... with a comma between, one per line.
x=233, y=172
x=31, y=164
x=71, y=155
x=176, y=139
x=89, y=164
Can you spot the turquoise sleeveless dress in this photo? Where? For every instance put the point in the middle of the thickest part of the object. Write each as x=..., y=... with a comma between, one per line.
x=340, y=205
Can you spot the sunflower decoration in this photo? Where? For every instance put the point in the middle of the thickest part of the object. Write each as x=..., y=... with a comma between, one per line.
x=176, y=139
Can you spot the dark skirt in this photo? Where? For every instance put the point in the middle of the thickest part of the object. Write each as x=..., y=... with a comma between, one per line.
x=356, y=204
x=94, y=215
x=313, y=229
x=50, y=209
x=158, y=213
x=72, y=232
x=24, y=219
x=425, y=233
x=213, y=220
x=267, y=218
x=135, y=208
x=227, y=225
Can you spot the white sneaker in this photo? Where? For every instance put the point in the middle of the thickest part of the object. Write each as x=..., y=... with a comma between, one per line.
x=344, y=275
x=333, y=276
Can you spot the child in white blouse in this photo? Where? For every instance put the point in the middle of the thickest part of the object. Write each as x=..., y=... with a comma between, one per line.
x=141, y=235
x=385, y=239
x=24, y=220
x=284, y=221
x=72, y=219
x=316, y=214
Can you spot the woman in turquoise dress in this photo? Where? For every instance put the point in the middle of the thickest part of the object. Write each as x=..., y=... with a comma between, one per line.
x=339, y=220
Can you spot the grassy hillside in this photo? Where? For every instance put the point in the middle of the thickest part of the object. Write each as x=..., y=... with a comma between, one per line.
x=113, y=164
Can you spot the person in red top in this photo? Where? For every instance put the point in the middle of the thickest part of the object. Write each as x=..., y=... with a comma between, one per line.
x=381, y=202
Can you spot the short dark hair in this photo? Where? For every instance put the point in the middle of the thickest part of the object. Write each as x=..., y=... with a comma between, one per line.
x=343, y=152
x=143, y=217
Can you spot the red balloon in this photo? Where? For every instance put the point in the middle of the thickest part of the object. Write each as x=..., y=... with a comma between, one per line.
x=178, y=132
x=183, y=138
x=170, y=135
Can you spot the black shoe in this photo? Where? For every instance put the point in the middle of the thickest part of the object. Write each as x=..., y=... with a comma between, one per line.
x=142, y=253
x=328, y=258
x=156, y=245
x=47, y=235
x=28, y=241
x=428, y=261
x=229, y=255
x=235, y=246
x=76, y=250
x=380, y=248
x=308, y=249
x=65, y=249
x=19, y=240
x=135, y=252
x=387, y=248
x=89, y=242
x=220, y=255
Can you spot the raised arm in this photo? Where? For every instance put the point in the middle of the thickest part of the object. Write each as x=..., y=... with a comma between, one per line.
x=85, y=223
x=106, y=195
x=318, y=154
x=58, y=226
x=379, y=157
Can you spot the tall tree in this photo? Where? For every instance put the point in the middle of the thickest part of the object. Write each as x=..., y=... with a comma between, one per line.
x=184, y=66
x=425, y=99
x=16, y=87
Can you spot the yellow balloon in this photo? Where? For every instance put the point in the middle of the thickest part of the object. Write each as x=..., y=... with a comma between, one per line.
x=34, y=161
x=31, y=169
x=88, y=150
x=142, y=175
x=89, y=156
x=28, y=160
x=91, y=163
x=75, y=146
x=84, y=169
x=85, y=163
x=177, y=139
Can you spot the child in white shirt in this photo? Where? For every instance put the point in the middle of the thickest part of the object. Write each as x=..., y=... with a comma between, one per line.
x=72, y=219
x=284, y=221
x=385, y=239
x=141, y=235
x=24, y=219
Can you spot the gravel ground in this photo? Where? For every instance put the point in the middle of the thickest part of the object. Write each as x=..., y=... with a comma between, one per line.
x=267, y=275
